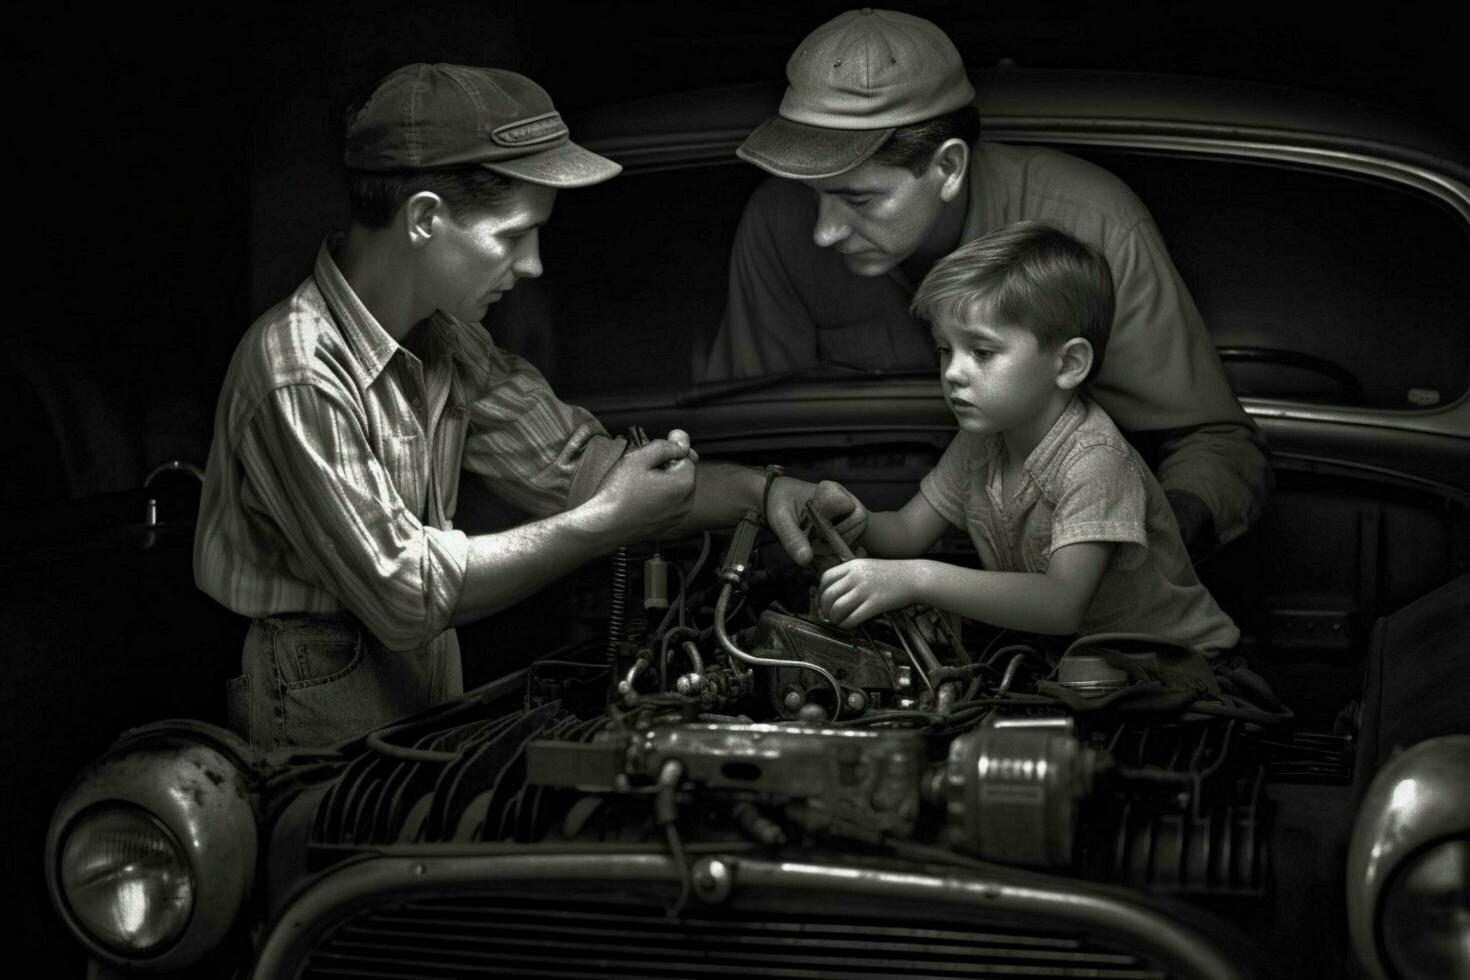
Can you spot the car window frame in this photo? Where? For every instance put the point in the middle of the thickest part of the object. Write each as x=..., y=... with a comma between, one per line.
x=1451, y=418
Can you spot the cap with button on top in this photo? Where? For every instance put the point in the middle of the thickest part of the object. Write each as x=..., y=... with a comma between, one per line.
x=851, y=82
x=429, y=117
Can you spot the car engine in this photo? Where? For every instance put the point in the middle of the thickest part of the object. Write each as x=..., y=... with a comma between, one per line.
x=1121, y=758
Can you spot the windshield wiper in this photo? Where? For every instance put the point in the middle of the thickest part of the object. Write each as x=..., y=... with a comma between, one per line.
x=714, y=391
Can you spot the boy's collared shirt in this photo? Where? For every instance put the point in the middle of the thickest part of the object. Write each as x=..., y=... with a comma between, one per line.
x=333, y=471
x=1082, y=482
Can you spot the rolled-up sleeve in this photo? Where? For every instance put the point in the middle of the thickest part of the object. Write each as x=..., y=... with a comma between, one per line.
x=532, y=449
x=316, y=486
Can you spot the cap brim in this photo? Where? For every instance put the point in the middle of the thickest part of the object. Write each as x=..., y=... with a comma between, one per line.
x=567, y=165
x=792, y=149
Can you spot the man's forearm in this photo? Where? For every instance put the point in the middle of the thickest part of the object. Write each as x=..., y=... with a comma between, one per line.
x=1028, y=601
x=646, y=493
x=507, y=566
x=1224, y=465
x=723, y=492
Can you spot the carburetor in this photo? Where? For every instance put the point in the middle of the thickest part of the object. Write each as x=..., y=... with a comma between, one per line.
x=850, y=781
x=863, y=667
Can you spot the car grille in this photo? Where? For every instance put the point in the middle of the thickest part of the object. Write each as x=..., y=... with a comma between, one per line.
x=468, y=935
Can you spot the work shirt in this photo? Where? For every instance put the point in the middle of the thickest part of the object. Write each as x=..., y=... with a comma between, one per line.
x=1082, y=482
x=792, y=303
x=333, y=472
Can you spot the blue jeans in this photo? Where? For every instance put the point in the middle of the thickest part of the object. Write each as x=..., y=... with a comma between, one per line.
x=314, y=679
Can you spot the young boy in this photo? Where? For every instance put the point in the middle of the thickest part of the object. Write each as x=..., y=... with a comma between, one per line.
x=1074, y=532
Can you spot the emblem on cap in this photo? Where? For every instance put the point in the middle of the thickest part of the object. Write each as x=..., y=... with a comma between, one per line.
x=541, y=129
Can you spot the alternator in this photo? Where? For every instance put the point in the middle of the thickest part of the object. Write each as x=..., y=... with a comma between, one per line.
x=1012, y=793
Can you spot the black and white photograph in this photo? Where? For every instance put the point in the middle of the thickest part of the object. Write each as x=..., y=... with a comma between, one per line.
x=660, y=490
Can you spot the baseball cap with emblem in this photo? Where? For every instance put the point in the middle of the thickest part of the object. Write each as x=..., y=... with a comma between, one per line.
x=851, y=82
x=427, y=117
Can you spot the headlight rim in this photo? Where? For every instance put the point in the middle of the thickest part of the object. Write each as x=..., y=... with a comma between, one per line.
x=204, y=785
x=1400, y=811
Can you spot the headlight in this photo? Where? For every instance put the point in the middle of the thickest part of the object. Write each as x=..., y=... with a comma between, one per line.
x=151, y=852
x=126, y=879
x=1408, y=867
x=1426, y=914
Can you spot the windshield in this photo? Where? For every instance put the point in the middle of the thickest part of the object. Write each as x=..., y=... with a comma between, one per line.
x=638, y=273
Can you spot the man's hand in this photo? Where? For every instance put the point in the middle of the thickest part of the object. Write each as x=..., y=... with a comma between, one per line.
x=681, y=438
x=788, y=497
x=854, y=592
x=649, y=491
x=1196, y=523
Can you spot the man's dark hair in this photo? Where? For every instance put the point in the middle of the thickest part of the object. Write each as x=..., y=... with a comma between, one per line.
x=376, y=196
x=1026, y=275
x=913, y=146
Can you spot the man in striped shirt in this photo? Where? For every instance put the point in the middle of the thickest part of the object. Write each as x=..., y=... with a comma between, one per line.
x=351, y=406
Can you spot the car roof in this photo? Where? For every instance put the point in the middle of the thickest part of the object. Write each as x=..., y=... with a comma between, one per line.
x=702, y=125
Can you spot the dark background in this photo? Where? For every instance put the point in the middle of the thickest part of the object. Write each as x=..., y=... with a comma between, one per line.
x=171, y=173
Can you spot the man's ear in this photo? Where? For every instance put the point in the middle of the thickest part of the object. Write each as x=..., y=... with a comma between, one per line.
x=951, y=162
x=418, y=214
x=1074, y=361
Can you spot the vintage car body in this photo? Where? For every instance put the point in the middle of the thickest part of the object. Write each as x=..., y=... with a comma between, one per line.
x=378, y=857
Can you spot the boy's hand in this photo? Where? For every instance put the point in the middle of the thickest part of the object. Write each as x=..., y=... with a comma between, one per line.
x=854, y=592
x=789, y=495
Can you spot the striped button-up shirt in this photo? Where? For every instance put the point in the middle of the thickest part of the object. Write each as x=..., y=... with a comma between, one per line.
x=332, y=477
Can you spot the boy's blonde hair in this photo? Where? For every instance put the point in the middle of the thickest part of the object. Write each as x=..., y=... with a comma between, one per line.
x=1026, y=275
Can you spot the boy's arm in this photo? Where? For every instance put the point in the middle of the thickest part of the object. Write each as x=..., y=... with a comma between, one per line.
x=1053, y=601
x=905, y=533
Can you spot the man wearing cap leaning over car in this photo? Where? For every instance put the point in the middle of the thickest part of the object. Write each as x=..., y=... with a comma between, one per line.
x=351, y=406
x=880, y=172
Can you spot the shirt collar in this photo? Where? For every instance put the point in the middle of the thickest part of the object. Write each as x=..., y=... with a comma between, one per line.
x=1056, y=437
x=447, y=336
x=366, y=337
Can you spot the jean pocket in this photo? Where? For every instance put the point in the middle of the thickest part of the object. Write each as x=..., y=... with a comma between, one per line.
x=311, y=654
x=334, y=683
